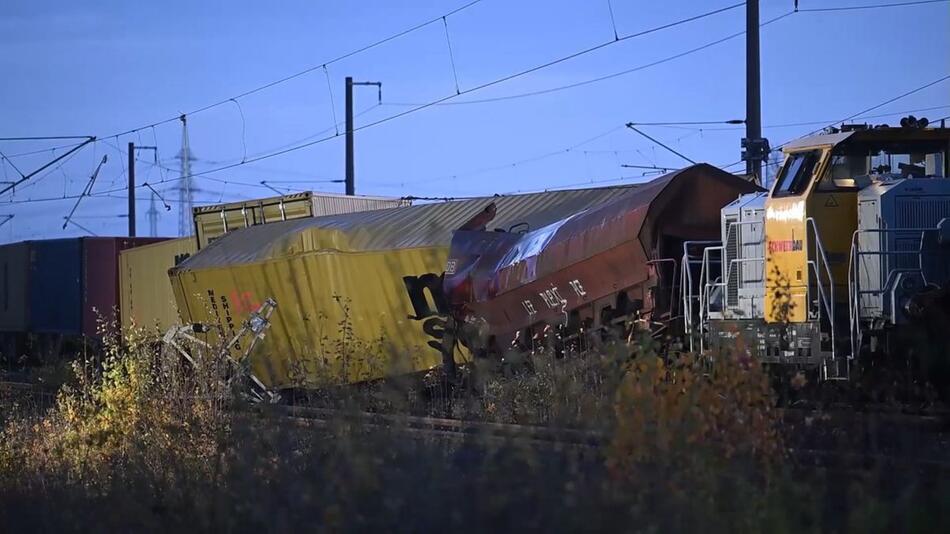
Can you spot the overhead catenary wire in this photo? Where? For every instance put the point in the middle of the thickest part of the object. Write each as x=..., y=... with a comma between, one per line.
x=508, y=165
x=52, y=149
x=336, y=124
x=578, y=184
x=429, y=22
x=108, y=193
x=213, y=179
x=424, y=106
x=448, y=43
x=235, y=196
x=598, y=79
x=243, y=129
x=340, y=181
x=854, y=115
x=274, y=189
x=634, y=128
x=45, y=138
x=165, y=179
x=677, y=123
x=867, y=6
x=613, y=23
x=245, y=151
x=39, y=179
x=886, y=102
x=309, y=137
x=482, y=86
x=449, y=97
x=5, y=158
x=26, y=177
x=159, y=195
x=637, y=68
x=87, y=191
x=305, y=71
x=806, y=123
x=647, y=167
x=81, y=227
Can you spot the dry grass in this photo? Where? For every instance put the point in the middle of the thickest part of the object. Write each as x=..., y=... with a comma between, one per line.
x=142, y=443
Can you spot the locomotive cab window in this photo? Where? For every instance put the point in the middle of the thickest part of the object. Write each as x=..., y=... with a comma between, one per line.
x=841, y=173
x=796, y=173
x=853, y=166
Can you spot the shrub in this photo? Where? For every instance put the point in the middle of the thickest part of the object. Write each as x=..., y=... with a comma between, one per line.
x=687, y=413
x=134, y=411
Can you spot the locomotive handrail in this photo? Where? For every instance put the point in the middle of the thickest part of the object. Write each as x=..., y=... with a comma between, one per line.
x=704, y=273
x=822, y=298
x=707, y=285
x=854, y=300
x=686, y=285
x=687, y=275
x=854, y=280
x=686, y=289
x=705, y=281
x=820, y=252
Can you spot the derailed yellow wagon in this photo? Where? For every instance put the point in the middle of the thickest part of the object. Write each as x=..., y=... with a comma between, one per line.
x=359, y=295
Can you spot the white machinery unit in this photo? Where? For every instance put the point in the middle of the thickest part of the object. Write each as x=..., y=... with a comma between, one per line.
x=900, y=247
x=730, y=293
x=743, y=257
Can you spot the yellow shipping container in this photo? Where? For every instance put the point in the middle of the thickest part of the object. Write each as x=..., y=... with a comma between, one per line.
x=145, y=293
x=359, y=295
x=341, y=317
x=212, y=222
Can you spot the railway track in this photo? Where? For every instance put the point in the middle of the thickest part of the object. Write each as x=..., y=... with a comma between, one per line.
x=451, y=428
x=826, y=438
x=928, y=450
x=26, y=389
x=16, y=386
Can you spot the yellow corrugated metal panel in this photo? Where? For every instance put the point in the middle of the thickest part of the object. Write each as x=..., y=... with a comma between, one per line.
x=145, y=293
x=324, y=204
x=341, y=317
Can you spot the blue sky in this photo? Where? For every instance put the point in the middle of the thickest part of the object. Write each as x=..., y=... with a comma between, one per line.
x=106, y=67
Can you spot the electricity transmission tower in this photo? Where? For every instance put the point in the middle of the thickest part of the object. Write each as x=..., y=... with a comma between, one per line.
x=185, y=189
x=152, y=215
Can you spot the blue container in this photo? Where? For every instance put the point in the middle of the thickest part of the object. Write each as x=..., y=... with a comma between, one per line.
x=56, y=286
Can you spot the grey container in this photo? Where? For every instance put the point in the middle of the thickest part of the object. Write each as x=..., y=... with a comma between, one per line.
x=14, y=287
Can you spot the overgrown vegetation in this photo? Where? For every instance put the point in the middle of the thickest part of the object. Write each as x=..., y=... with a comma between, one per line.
x=142, y=441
